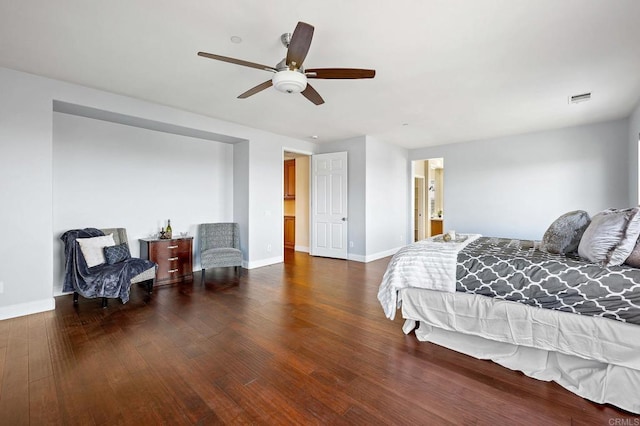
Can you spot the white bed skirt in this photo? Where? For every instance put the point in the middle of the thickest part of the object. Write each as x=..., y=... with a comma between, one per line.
x=595, y=358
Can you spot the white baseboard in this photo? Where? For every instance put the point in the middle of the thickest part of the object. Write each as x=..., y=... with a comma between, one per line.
x=372, y=257
x=301, y=248
x=356, y=257
x=22, y=309
x=263, y=262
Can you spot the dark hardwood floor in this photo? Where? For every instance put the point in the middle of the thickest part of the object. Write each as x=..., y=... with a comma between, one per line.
x=297, y=343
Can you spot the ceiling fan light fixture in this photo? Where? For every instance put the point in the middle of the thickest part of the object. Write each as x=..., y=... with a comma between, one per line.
x=288, y=81
x=289, y=76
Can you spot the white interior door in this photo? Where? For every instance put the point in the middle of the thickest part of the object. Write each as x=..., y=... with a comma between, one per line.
x=329, y=205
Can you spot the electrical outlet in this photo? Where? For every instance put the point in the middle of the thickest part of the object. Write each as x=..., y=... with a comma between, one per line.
x=268, y=248
x=351, y=244
x=401, y=238
x=1, y=286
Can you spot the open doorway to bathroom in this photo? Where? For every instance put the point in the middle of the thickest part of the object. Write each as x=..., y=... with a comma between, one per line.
x=428, y=198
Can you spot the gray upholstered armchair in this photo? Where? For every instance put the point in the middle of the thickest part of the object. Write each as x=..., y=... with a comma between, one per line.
x=220, y=246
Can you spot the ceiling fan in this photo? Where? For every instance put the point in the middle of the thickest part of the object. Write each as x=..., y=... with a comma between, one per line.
x=289, y=76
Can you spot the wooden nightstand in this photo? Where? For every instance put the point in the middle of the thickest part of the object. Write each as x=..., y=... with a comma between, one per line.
x=174, y=258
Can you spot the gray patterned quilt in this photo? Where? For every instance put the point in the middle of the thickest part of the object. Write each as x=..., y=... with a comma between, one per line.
x=516, y=270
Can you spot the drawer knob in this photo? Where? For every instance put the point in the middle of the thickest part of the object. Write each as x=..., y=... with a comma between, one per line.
x=173, y=271
x=172, y=247
x=173, y=258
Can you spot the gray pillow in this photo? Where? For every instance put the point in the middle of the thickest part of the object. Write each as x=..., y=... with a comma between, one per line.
x=634, y=257
x=117, y=254
x=564, y=234
x=611, y=236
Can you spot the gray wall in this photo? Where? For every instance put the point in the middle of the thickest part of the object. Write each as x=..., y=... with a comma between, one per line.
x=516, y=186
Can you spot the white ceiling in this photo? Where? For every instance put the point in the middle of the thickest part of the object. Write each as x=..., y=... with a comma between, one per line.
x=447, y=70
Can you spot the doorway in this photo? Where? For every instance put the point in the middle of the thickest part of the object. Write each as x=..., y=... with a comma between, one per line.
x=428, y=197
x=296, y=201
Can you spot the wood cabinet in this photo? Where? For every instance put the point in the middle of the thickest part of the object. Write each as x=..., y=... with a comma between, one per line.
x=290, y=232
x=290, y=179
x=436, y=227
x=174, y=258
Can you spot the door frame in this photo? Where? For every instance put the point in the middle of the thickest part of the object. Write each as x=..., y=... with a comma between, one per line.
x=426, y=174
x=305, y=153
x=419, y=206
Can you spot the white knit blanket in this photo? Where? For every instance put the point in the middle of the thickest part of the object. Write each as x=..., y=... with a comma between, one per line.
x=429, y=264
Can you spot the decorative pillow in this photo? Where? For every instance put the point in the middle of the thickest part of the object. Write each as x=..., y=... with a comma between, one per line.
x=634, y=257
x=116, y=254
x=611, y=236
x=565, y=233
x=92, y=249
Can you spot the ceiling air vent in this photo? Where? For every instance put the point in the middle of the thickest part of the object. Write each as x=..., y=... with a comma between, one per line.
x=579, y=98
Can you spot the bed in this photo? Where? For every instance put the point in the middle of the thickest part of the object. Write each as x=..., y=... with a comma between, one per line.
x=553, y=316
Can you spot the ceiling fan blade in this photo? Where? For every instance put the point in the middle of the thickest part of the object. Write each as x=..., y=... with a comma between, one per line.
x=259, y=88
x=339, y=73
x=299, y=45
x=236, y=61
x=311, y=94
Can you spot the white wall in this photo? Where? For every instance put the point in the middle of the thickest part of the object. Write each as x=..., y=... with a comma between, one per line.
x=265, y=202
x=241, y=172
x=516, y=186
x=26, y=144
x=26, y=260
x=387, y=190
x=108, y=175
x=266, y=174
x=634, y=136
